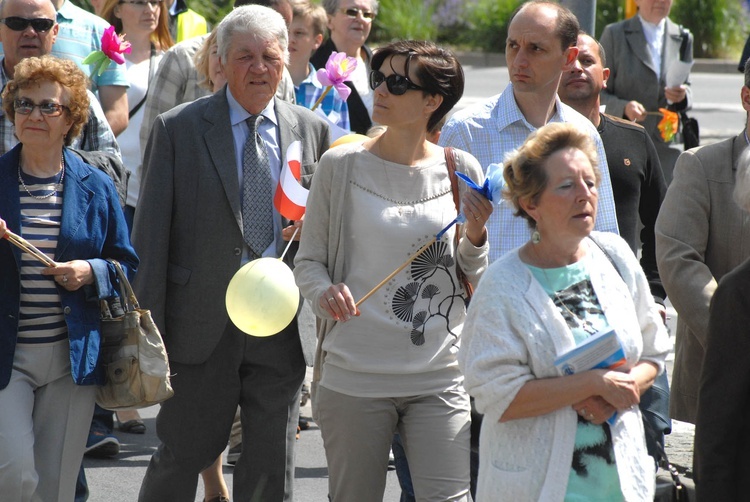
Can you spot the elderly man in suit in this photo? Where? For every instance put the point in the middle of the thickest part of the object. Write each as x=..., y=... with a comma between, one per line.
x=640, y=51
x=701, y=234
x=206, y=207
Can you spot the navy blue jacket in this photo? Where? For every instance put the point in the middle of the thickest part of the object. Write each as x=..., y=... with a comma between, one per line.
x=93, y=228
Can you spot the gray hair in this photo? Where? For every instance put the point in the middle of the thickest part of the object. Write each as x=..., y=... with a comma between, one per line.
x=741, y=193
x=252, y=21
x=331, y=6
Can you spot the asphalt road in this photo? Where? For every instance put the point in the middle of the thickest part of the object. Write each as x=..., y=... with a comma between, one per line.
x=717, y=107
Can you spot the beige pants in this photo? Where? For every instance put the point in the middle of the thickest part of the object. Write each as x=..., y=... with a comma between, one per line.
x=357, y=434
x=44, y=423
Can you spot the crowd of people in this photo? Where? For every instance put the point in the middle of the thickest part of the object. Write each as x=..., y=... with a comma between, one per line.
x=464, y=360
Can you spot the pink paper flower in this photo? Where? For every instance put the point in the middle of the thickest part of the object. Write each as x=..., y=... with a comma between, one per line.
x=114, y=46
x=337, y=71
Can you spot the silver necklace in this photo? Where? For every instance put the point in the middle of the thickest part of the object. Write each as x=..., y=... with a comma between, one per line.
x=47, y=195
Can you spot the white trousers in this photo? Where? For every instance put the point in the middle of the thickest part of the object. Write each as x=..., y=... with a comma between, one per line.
x=44, y=423
x=357, y=434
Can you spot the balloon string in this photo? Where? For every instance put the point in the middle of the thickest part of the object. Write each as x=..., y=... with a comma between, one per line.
x=290, y=243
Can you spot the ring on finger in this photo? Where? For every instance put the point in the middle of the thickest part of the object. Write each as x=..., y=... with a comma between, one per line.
x=591, y=416
x=583, y=412
x=64, y=278
x=331, y=299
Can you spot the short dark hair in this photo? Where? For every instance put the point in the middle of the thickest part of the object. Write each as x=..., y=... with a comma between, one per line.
x=567, y=26
x=747, y=73
x=437, y=69
x=600, y=48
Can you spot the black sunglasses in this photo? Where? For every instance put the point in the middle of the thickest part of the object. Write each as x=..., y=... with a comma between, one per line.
x=396, y=84
x=40, y=24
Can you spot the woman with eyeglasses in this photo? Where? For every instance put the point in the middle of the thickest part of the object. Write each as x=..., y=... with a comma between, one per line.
x=390, y=364
x=349, y=25
x=49, y=336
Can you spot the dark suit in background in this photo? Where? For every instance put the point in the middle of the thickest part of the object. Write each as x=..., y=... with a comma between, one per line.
x=188, y=227
x=633, y=78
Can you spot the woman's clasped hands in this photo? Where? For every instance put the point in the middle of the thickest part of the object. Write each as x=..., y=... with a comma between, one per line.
x=615, y=391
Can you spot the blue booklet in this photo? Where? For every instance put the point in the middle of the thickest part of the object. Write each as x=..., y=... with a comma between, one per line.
x=600, y=351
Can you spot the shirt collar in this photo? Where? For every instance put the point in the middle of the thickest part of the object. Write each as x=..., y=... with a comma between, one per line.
x=507, y=111
x=238, y=114
x=312, y=78
x=65, y=11
x=651, y=31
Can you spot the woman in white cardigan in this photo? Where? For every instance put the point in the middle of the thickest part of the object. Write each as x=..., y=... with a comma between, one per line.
x=391, y=363
x=546, y=436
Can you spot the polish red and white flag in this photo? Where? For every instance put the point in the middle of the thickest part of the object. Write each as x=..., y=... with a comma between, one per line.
x=291, y=197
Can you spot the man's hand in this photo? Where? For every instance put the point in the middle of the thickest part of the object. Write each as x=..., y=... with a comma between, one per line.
x=676, y=94
x=288, y=232
x=635, y=111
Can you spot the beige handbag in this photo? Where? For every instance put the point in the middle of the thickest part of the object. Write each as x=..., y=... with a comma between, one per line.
x=133, y=355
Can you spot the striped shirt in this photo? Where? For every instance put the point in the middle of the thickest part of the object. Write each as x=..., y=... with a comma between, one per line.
x=493, y=129
x=41, y=317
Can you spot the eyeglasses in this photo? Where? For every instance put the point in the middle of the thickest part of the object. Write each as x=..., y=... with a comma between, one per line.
x=141, y=4
x=40, y=24
x=352, y=12
x=26, y=107
x=396, y=84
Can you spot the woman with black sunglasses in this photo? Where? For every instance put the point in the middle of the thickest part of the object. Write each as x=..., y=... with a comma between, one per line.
x=349, y=23
x=389, y=364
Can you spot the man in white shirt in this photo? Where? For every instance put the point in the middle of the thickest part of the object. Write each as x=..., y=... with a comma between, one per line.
x=540, y=46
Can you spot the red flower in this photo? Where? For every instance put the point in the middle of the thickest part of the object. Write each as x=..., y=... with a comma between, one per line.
x=114, y=46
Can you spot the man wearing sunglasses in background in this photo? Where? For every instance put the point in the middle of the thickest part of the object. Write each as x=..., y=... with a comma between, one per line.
x=79, y=33
x=349, y=25
x=27, y=29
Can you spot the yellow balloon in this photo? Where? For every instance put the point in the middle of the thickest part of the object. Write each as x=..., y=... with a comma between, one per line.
x=349, y=138
x=262, y=297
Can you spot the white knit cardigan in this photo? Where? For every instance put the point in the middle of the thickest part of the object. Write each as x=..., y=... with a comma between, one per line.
x=513, y=334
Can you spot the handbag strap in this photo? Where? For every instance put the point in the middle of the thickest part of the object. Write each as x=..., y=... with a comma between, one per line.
x=450, y=162
x=151, y=71
x=129, y=301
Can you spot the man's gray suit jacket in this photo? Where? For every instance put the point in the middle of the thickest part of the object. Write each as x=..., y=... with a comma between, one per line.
x=188, y=224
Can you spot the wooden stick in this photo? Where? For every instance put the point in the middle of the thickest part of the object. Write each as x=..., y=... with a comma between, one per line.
x=320, y=99
x=26, y=246
x=399, y=269
x=290, y=243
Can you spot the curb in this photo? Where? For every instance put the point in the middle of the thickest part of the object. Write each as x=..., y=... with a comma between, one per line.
x=495, y=59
